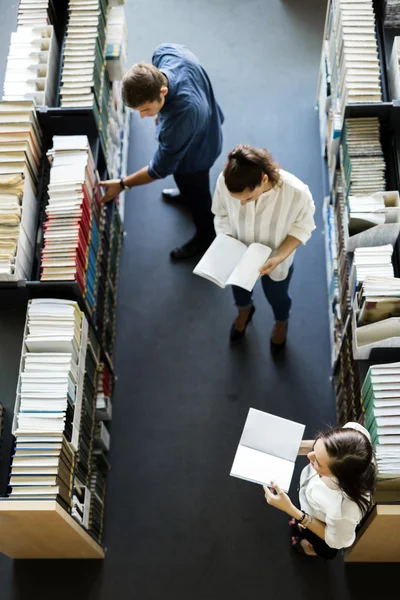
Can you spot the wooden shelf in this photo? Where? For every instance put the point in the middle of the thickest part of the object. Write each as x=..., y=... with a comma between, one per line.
x=379, y=538
x=43, y=529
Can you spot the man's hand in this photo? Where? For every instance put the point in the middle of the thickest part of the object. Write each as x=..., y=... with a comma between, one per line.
x=271, y=264
x=280, y=500
x=112, y=189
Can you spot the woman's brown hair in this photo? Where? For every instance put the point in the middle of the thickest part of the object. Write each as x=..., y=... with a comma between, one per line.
x=351, y=461
x=246, y=167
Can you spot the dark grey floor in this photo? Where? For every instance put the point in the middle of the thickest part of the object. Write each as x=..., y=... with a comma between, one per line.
x=177, y=526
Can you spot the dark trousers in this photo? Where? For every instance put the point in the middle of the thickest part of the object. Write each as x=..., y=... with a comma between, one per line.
x=196, y=196
x=276, y=292
x=321, y=548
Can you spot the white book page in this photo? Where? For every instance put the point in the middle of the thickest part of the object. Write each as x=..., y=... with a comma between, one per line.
x=261, y=468
x=220, y=259
x=272, y=435
x=247, y=272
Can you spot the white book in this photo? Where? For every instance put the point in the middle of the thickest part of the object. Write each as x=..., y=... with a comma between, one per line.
x=230, y=262
x=267, y=450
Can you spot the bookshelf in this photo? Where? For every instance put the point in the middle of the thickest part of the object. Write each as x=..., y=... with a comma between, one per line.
x=378, y=538
x=68, y=526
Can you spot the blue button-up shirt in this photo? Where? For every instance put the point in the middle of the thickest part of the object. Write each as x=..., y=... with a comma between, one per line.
x=189, y=124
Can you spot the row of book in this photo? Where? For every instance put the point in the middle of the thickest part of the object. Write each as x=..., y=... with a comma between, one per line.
x=361, y=157
x=346, y=379
x=381, y=416
x=71, y=228
x=354, y=59
x=20, y=154
x=49, y=399
x=32, y=65
x=83, y=67
x=117, y=42
x=60, y=442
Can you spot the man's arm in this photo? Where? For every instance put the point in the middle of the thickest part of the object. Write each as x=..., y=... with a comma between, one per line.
x=113, y=186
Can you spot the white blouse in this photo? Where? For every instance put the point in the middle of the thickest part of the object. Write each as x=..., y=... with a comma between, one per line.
x=321, y=498
x=286, y=209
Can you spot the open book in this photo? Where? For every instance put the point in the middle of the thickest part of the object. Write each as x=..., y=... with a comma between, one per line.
x=267, y=449
x=230, y=262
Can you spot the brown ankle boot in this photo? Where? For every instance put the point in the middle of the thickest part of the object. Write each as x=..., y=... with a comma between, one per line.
x=279, y=333
x=238, y=328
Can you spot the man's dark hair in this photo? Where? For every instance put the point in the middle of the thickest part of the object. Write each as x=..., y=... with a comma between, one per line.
x=141, y=84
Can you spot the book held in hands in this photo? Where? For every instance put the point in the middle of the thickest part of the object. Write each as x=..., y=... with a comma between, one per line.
x=268, y=449
x=230, y=262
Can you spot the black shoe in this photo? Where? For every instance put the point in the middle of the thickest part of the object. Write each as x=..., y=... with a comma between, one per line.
x=192, y=248
x=236, y=335
x=172, y=195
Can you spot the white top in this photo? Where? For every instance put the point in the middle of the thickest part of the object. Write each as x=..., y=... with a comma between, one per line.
x=287, y=209
x=321, y=498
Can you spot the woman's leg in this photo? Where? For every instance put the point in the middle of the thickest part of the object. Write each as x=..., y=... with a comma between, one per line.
x=277, y=294
x=244, y=302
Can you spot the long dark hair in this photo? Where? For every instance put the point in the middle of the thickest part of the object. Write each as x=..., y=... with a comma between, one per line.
x=246, y=166
x=352, y=462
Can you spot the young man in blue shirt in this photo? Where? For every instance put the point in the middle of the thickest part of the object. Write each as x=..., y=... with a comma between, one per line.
x=177, y=89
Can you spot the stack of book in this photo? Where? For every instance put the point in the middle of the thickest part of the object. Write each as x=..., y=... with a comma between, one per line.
x=381, y=406
x=71, y=237
x=378, y=299
x=49, y=397
x=32, y=65
x=20, y=156
x=37, y=12
x=353, y=51
x=373, y=261
x=362, y=161
x=84, y=55
x=117, y=41
x=392, y=13
x=100, y=467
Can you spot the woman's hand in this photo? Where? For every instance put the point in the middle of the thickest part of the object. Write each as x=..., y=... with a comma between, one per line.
x=271, y=264
x=281, y=500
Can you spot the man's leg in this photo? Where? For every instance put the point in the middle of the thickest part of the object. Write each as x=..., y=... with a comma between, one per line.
x=195, y=192
x=277, y=294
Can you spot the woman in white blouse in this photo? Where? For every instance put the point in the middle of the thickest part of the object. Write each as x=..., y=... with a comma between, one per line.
x=255, y=201
x=335, y=491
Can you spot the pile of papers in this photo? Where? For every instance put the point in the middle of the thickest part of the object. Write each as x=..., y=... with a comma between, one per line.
x=49, y=392
x=32, y=65
x=362, y=161
x=353, y=54
x=68, y=224
x=117, y=40
x=20, y=155
x=392, y=13
x=374, y=261
x=83, y=67
x=35, y=12
x=381, y=403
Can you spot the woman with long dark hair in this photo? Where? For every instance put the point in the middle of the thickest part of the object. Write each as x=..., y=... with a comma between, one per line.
x=335, y=491
x=256, y=201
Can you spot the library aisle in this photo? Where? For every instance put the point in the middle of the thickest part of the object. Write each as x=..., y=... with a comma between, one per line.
x=176, y=525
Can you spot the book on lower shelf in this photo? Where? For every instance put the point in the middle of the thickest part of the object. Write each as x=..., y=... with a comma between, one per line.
x=381, y=406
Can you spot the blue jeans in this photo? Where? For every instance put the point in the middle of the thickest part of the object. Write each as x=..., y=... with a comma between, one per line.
x=276, y=292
